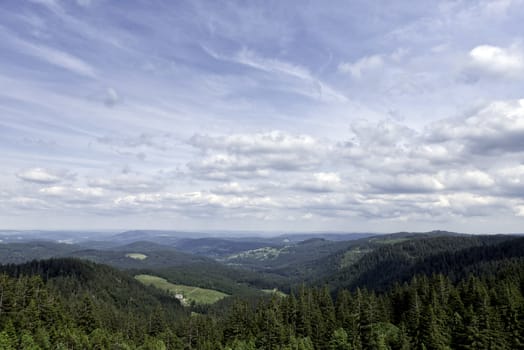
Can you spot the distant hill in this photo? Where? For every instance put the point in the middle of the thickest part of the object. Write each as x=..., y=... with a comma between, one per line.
x=242, y=265
x=157, y=255
x=315, y=257
x=219, y=247
x=154, y=258
x=298, y=237
x=397, y=262
x=157, y=236
x=16, y=253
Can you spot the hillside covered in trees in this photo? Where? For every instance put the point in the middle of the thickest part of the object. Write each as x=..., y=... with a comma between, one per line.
x=431, y=293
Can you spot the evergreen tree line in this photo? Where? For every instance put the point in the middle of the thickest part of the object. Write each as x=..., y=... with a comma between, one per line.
x=73, y=304
x=426, y=313
x=72, y=311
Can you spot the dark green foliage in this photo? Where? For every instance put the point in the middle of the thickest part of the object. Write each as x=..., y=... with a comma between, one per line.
x=461, y=297
x=67, y=303
x=455, y=257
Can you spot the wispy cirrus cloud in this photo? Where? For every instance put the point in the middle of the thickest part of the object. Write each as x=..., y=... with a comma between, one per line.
x=55, y=57
x=313, y=87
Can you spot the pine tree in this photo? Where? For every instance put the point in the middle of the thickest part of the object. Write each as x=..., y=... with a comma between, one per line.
x=6, y=343
x=432, y=336
x=340, y=340
x=86, y=319
x=27, y=342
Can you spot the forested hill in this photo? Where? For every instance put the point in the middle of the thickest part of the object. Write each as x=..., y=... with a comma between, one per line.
x=431, y=293
x=68, y=303
x=455, y=257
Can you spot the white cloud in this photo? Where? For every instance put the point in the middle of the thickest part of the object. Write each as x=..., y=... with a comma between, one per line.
x=191, y=202
x=241, y=154
x=470, y=204
x=382, y=135
x=508, y=62
x=361, y=66
x=73, y=194
x=234, y=188
x=128, y=183
x=270, y=142
x=519, y=210
x=465, y=179
x=39, y=175
x=511, y=180
x=307, y=216
x=496, y=128
x=320, y=182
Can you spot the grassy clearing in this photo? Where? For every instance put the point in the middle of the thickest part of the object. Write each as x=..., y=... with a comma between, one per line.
x=136, y=256
x=190, y=293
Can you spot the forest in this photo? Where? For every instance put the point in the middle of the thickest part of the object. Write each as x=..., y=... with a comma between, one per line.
x=452, y=294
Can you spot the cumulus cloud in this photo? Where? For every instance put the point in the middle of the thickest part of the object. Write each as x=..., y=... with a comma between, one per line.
x=130, y=182
x=234, y=188
x=395, y=171
x=383, y=135
x=507, y=62
x=39, y=175
x=242, y=155
x=73, y=194
x=465, y=179
x=495, y=129
x=193, y=203
x=271, y=142
x=471, y=204
x=320, y=182
x=510, y=180
x=468, y=166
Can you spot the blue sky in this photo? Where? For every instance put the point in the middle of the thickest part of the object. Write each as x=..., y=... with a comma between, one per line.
x=262, y=115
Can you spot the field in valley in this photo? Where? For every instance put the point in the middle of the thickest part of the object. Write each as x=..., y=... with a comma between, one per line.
x=190, y=293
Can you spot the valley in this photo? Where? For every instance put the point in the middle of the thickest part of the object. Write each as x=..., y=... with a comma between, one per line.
x=240, y=297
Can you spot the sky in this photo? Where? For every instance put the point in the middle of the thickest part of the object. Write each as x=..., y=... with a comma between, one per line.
x=354, y=116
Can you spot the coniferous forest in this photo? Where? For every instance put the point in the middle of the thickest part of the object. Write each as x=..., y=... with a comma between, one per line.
x=468, y=299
